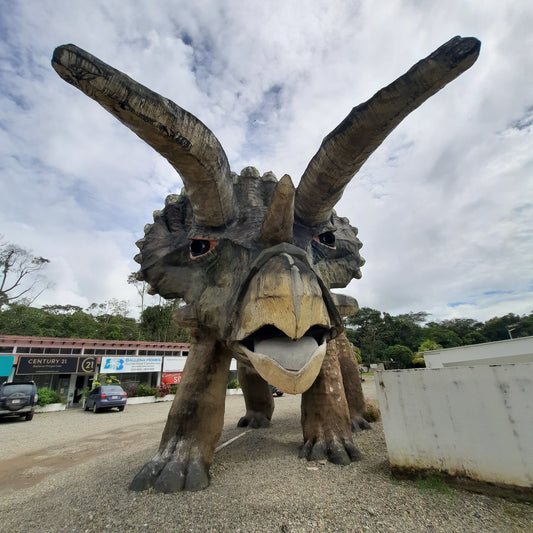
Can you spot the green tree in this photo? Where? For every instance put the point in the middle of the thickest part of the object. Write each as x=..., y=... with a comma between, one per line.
x=442, y=335
x=501, y=328
x=158, y=324
x=429, y=345
x=404, y=329
x=399, y=354
x=22, y=320
x=366, y=329
x=474, y=337
x=112, y=322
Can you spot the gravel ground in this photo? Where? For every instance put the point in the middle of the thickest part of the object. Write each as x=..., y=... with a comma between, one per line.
x=69, y=471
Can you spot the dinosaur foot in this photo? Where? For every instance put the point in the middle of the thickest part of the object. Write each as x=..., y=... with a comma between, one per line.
x=336, y=450
x=359, y=424
x=177, y=472
x=254, y=419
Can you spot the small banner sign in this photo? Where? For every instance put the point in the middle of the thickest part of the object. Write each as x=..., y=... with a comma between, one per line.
x=173, y=378
x=28, y=365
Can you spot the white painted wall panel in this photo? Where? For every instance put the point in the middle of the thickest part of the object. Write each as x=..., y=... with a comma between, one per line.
x=471, y=421
x=506, y=352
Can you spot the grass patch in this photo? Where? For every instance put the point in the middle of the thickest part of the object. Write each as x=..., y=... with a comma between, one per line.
x=372, y=412
x=433, y=485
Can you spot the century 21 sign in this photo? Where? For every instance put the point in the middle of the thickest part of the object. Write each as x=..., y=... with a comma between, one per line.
x=56, y=365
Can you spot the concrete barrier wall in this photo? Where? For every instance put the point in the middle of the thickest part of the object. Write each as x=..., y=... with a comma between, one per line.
x=467, y=421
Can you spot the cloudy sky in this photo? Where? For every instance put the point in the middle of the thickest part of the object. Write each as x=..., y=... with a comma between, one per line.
x=444, y=207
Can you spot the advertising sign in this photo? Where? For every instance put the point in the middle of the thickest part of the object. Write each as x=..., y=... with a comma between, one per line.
x=176, y=363
x=6, y=364
x=55, y=365
x=173, y=378
x=121, y=365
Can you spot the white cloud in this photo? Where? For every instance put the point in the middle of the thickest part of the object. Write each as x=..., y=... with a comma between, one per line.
x=443, y=206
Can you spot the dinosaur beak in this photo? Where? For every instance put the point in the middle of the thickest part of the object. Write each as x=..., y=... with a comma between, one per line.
x=284, y=323
x=271, y=357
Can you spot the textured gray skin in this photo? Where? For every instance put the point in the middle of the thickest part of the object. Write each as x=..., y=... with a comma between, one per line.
x=220, y=239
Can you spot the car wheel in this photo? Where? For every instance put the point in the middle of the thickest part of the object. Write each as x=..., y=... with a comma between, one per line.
x=121, y=408
x=95, y=409
x=29, y=416
x=86, y=406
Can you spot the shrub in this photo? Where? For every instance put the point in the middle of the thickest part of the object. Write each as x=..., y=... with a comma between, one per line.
x=400, y=354
x=233, y=384
x=173, y=388
x=357, y=354
x=132, y=389
x=372, y=412
x=163, y=389
x=145, y=390
x=47, y=396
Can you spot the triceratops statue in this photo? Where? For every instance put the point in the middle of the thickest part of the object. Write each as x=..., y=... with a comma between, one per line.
x=254, y=260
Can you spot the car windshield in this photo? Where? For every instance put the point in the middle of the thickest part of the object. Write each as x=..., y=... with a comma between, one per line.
x=112, y=389
x=10, y=388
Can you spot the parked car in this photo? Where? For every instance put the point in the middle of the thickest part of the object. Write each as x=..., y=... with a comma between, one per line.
x=275, y=391
x=18, y=399
x=106, y=397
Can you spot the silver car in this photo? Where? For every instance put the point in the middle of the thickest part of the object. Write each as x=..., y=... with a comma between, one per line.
x=106, y=397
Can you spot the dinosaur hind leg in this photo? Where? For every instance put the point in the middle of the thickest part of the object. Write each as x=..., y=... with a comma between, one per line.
x=352, y=383
x=257, y=397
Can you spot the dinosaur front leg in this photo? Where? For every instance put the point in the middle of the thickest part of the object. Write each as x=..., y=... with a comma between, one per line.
x=326, y=417
x=352, y=383
x=257, y=397
x=194, y=424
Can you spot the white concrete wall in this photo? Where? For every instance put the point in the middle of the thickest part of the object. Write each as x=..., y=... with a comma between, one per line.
x=510, y=351
x=469, y=421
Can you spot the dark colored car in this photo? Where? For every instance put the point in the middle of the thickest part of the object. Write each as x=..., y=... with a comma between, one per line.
x=106, y=397
x=18, y=399
x=275, y=391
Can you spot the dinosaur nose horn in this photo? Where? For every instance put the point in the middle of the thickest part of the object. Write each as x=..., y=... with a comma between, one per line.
x=279, y=220
x=188, y=144
x=350, y=144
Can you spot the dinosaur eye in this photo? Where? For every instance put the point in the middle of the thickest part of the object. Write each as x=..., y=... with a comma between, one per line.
x=327, y=239
x=199, y=247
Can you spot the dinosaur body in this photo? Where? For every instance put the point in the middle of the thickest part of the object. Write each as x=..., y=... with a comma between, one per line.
x=254, y=259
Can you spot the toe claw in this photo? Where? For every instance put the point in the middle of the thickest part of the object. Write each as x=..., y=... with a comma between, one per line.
x=318, y=452
x=146, y=477
x=171, y=479
x=359, y=423
x=254, y=421
x=338, y=455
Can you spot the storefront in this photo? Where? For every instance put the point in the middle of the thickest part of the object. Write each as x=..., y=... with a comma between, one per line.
x=134, y=369
x=68, y=366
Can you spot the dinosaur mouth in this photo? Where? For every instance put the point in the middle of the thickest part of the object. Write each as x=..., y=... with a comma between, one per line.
x=290, y=365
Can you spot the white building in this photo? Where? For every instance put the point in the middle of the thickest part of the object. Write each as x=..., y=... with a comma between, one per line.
x=489, y=353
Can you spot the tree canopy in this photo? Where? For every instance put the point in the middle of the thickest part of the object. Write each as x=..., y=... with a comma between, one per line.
x=108, y=321
x=376, y=332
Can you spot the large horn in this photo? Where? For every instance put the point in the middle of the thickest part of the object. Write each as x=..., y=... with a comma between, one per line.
x=279, y=219
x=347, y=147
x=190, y=146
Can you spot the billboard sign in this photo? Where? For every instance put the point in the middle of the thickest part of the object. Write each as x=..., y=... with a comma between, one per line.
x=32, y=364
x=175, y=363
x=122, y=365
